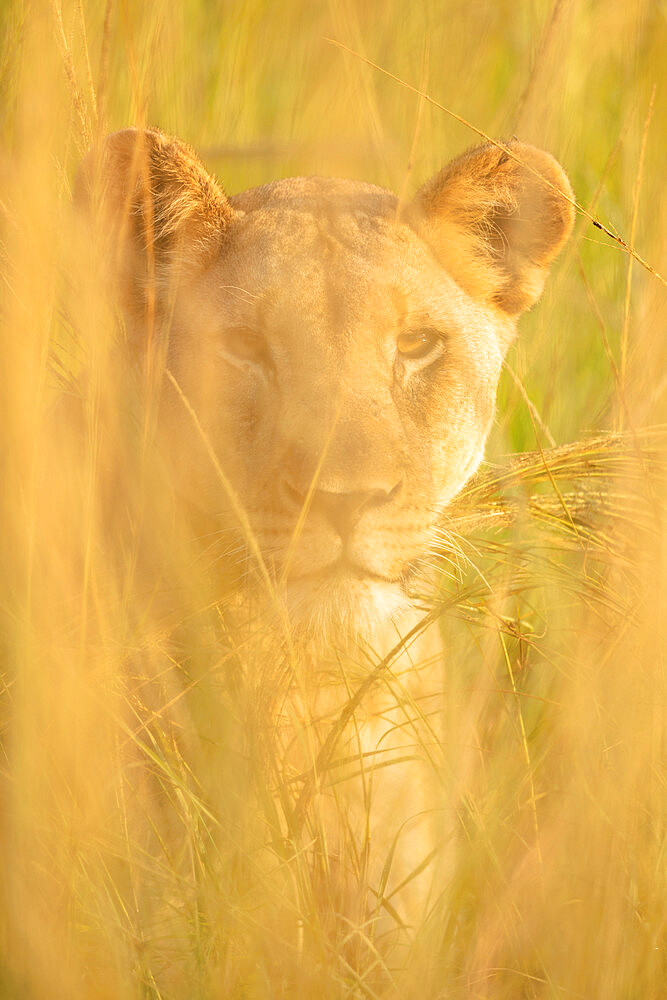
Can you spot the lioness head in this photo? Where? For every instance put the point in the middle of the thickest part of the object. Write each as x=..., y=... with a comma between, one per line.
x=332, y=355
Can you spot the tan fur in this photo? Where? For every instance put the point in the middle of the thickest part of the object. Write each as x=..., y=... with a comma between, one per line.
x=497, y=221
x=157, y=205
x=283, y=309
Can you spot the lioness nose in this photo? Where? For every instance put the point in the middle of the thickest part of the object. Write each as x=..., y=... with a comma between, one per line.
x=343, y=510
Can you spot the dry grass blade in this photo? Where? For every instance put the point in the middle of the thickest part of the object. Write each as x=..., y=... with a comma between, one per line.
x=633, y=230
x=593, y=464
x=75, y=90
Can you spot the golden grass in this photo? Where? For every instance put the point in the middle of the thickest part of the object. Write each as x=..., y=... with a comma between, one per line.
x=154, y=837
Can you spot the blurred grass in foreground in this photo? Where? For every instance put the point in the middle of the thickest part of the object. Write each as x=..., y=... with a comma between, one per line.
x=144, y=835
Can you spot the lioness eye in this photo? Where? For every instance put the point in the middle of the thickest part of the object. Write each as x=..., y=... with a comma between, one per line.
x=417, y=343
x=245, y=345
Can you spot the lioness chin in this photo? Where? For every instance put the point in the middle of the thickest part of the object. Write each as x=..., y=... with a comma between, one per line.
x=329, y=358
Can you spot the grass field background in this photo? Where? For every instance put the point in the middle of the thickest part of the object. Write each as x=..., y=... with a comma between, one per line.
x=143, y=850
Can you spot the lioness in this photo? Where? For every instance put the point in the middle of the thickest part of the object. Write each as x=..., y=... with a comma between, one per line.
x=330, y=357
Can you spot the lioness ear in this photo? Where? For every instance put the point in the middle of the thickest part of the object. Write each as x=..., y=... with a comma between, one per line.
x=157, y=207
x=497, y=220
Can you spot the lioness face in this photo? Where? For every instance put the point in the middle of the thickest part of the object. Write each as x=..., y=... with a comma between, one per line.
x=341, y=352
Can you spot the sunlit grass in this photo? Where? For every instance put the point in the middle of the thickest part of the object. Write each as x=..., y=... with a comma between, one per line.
x=155, y=829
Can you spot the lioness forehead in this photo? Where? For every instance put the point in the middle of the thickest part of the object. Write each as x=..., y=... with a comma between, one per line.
x=311, y=272
x=342, y=226
x=319, y=195
x=336, y=252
